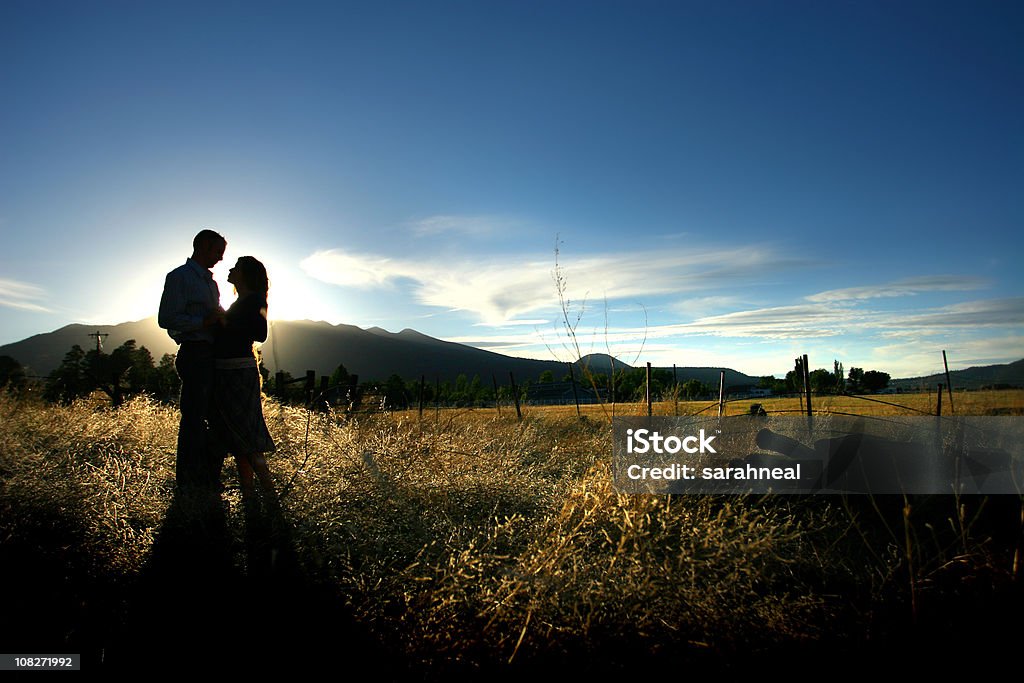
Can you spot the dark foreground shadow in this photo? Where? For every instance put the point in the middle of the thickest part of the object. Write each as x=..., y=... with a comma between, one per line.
x=195, y=608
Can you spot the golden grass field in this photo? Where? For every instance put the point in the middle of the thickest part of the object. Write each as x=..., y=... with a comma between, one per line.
x=468, y=544
x=1004, y=402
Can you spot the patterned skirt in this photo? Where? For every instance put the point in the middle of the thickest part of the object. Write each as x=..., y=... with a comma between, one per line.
x=237, y=411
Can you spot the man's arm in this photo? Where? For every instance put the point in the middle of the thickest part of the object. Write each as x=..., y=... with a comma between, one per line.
x=173, y=314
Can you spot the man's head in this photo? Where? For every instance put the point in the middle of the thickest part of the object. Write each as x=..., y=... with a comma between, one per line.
x=208, y=248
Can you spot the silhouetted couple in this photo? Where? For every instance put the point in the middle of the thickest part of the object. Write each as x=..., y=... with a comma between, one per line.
x=221, y=407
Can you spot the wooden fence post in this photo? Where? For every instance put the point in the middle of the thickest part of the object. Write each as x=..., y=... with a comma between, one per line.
x=515, y=396
x=798, y=370
x=675, y=390
x=353, y=392
x=806, y=365
x=575, y=396
x=310, y=386
x=721, y=393
x=423, y=389
x=649, y=397
x=497, y=403
x=949, y=384
x=807, y=384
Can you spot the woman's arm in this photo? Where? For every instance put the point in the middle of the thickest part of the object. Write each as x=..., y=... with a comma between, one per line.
x=247, y=318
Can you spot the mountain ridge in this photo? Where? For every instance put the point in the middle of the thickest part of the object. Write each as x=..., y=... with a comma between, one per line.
x=973, y=377
x=298, y=346
x=375, y=354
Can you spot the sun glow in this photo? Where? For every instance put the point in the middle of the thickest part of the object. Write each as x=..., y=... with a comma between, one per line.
x=290, y=297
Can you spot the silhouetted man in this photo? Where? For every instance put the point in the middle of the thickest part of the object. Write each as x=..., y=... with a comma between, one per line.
x=189, y=309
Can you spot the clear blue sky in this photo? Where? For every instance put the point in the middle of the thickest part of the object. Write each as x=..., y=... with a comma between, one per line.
x=731, y=183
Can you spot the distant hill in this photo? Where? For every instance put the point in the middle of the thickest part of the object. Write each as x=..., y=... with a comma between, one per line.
x=376, y=354
x=970, y=378
x=602, y=363
x=711, y=376
x=42, y=353
x=373, y=354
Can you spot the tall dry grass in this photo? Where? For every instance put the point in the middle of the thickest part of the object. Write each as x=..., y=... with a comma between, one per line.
x=466, y=541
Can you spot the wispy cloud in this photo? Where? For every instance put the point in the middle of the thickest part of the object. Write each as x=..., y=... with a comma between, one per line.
x=460, y=225
x=705, y=305
x=984, y=313
x=825, y=320
x=914, y=333
x=499, y=291
x=22, y=295
x=890, y=330
x=987, y=351
x=515, y=323
x=778, y=322
x=350, y=270
x=910, y=359
x=494, y=344
x=904, y=287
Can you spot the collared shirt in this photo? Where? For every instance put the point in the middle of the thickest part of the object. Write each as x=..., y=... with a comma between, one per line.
x=190, y=294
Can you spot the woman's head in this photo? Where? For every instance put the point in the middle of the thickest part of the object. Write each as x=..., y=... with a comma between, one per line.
x=251, y=273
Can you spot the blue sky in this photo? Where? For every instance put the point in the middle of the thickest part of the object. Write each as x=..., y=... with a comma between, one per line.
x=729, y=183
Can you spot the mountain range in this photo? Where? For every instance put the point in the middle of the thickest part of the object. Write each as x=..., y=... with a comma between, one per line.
x=373, y=354
x=970, y=378
x=376, y=354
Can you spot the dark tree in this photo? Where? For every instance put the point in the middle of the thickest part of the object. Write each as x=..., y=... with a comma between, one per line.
x=694, y=388
x=822, y=381
x=476, y=390
x=125, y=372
x=70, y=380
x=142, y=373
x=855, y=380
x=340, y=376
x=394, y=394
x=777, y=386
x=112, y=374
x=12, y=375
x=629, y=385
x=875, y=380
x=661, y=382
x=166, y=383
x=794, y=382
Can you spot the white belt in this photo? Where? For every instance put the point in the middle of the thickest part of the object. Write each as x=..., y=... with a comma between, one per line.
x=236, y=363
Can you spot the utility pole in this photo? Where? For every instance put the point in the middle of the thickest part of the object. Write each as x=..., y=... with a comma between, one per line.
x=99, y=340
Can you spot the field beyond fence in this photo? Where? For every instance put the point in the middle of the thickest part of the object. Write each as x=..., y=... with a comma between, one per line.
x=469, y=545
x=995, y=402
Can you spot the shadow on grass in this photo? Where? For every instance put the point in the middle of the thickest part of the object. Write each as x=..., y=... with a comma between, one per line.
x=194, y=607
x=52, y=598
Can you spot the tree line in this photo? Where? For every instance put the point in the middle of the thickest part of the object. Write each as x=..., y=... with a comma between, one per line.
x=126, y=371
x=464, y=391
x=823, y=381
x=130, y=370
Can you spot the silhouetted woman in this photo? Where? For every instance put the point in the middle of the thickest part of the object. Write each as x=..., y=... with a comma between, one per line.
x=237, y=400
